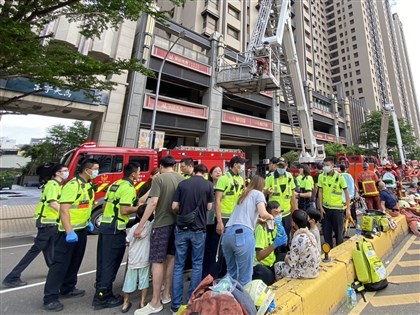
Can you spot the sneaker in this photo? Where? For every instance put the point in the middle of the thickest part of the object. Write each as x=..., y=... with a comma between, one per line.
x=14, y=283
x=110, y=302
x=74, y=293
x=148, y=309
x=54, y=306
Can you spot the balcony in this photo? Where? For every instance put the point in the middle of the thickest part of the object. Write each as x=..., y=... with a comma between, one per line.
x=181, y=50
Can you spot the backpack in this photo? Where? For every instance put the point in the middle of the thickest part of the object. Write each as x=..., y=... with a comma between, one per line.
x=374, y=221
x=369, y=268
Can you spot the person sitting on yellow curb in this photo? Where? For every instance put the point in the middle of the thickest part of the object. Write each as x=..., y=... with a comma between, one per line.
x=331, y=185
x=280, y=187
x=266, y=241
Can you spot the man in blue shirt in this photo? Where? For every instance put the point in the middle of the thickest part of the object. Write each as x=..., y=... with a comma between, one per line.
x=388, y=199
x=349, y=181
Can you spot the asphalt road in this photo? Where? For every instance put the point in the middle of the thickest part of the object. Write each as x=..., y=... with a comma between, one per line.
x=28, y=299
x=402, y=296
x=19, y=196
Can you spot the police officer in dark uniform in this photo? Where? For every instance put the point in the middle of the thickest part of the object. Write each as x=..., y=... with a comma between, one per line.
x=46, y=216
x=119, y=198
x=76, y=202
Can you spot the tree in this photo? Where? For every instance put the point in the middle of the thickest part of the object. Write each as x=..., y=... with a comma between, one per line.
x=371, y=130
x=26, y=53
x=291, y=157
x=333, y=148
x=59, y=140
x=355, y=150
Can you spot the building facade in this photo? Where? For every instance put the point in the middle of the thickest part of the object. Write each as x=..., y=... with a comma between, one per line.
x=347, y=50
x=256, y=123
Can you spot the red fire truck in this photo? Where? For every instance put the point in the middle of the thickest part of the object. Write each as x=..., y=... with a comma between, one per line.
x=112, y=159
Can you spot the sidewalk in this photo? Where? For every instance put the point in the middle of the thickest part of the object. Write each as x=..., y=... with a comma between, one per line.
x=17, y=220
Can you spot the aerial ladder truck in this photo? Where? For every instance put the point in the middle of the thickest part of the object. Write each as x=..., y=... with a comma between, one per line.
x=270, y=64
x=387, y=111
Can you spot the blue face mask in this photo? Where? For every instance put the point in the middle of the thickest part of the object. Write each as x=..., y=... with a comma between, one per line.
x=327, y=169
x=65, y=175
x=281, y=171
x=95, y=173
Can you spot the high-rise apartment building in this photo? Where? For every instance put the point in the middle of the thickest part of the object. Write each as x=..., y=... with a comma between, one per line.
x=357, y=46
x=407, y=99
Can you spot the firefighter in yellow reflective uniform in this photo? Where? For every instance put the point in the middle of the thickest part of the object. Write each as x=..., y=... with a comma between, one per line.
x=280, y=187
x=228, y=189
x=331, y=185
x=120, y=202
x=76, y=201
x=46, y=216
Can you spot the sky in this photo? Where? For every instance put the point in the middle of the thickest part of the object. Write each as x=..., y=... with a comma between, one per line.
x=23, y=128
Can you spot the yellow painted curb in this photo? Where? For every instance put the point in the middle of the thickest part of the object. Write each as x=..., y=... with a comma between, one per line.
x=325, y=294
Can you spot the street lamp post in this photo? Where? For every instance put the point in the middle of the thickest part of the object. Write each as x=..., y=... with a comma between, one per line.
x=152, y=137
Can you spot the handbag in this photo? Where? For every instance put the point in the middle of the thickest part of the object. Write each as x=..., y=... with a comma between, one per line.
x=185, y=221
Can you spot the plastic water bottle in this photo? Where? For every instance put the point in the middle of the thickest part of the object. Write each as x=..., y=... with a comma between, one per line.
x=279, y=230
x=351, y=297
x=358, y=229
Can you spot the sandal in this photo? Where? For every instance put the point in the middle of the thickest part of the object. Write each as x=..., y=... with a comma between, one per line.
x=127, y=308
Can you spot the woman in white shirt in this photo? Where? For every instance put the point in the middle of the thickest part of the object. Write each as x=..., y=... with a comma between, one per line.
x=238, y=242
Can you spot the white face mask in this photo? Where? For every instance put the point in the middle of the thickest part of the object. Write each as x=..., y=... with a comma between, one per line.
x=327, y=169
x=242, y=169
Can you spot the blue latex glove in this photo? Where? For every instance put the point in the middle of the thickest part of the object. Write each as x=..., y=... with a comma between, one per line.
x=90, y=227
x=280, y=230
x=280, y=240
x=272, y=306
x=71, y=237
x=278, y=220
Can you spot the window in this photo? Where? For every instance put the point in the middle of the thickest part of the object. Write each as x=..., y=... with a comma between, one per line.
x=235, y=13
x=210, y=22
x=107, y=163
x=142, y=160
x=357, y=72
x=356, y=55
x=360, y=90
x=359, y=81
x=232, y=32
x=356, y=63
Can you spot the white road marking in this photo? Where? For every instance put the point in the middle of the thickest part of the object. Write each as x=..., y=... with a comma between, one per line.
x=16, y=246
x=43, y=282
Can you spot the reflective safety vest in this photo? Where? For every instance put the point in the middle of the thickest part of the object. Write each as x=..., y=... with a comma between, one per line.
x=44, y=213
x=369, y=188
x=81, y=207
x=112, y=213
x=331, y=191
x=283, y=196
x=231, y=193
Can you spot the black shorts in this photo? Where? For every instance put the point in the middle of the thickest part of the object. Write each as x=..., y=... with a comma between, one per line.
x=162, y=243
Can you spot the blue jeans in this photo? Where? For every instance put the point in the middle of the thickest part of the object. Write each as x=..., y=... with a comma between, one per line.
x=238, y=245
x=183, y=240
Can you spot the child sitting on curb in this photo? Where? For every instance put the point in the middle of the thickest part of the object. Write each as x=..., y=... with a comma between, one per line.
x=304, y=257
x=314, y=217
